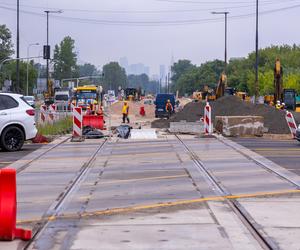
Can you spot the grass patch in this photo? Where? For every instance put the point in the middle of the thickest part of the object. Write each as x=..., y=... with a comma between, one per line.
x=60, y=127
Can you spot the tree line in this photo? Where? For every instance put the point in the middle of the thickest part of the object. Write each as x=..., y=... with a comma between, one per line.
x=187, y=77
x=65, y=66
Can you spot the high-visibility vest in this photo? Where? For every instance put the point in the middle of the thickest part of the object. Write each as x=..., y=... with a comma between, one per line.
x=125, y=109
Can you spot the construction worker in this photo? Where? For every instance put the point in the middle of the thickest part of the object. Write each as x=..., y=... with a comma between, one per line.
x=169, y=108
x=125, y=112
x=278, y=105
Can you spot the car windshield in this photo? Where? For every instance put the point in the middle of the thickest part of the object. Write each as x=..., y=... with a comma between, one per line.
x=86, y=95
x=62, y=97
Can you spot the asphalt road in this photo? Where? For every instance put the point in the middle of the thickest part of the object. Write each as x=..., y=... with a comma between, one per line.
x=7, y=158
x=285, y=153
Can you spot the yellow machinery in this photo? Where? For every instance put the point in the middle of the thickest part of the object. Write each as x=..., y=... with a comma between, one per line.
x=221, y=86
x=87, y=95
x=197, y=95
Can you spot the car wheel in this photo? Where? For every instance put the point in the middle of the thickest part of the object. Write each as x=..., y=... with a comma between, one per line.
x=12, y=139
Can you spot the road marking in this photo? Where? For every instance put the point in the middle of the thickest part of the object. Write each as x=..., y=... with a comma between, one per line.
x=159, y=205
x=276, y=149
x=145, y=179
x=6, y=162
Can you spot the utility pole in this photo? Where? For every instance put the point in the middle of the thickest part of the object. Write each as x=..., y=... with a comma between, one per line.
x=47, y=60
x=225, y=13
x=17, y=87
x=256, y=56
x=47, y=45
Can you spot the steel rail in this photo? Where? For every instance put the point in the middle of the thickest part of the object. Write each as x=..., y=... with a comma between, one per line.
x=259, y=235
x=56, y=207
x=26, y=165
x=261, y=164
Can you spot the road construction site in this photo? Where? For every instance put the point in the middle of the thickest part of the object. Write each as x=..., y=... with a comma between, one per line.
x=175, y=192
x=160, y=190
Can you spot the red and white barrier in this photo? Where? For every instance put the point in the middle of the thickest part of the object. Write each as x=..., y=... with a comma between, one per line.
x=291, y=123
x=52, y=113
x=208, y=128
x=8, y=208
x=43, y=114
x=77, y=122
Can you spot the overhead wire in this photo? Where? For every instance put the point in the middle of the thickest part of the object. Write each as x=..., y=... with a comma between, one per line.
x=263, y=3
x=151, y=23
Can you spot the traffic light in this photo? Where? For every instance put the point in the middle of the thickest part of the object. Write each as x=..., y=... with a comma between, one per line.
x=46, y=54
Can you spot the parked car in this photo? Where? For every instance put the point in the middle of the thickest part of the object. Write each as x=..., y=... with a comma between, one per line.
x=30, y=100
x=62, y=99
x=17, y=122
x=298, y=133
x=160, y=104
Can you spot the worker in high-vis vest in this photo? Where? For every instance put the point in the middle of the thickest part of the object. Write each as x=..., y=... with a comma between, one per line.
x=125, y=112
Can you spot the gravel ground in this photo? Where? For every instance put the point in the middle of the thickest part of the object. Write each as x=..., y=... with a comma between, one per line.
x=232, y=106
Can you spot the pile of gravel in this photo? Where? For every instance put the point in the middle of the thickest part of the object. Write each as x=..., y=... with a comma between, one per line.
x=232, y=106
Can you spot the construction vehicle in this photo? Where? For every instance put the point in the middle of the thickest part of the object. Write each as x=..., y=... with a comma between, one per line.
x=49, y=94
x=289, y=99
x=130, y=94
x=87, y=95
x=221, y=86
x=197, y=96
x=278, y=76
x=269, y=99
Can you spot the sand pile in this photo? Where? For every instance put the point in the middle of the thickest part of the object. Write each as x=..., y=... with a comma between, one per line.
x=134, y=109
x=232, y=106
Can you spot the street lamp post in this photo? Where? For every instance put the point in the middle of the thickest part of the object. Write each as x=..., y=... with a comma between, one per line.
x=27, y=69
x=225, y=13
x=17, y=87
x=256, y=55
x=47, y=60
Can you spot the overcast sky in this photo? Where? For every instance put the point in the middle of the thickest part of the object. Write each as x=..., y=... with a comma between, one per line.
x=151, y=31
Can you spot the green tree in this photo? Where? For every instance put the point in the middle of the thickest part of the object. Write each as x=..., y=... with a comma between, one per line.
x=87, y=69
x=9, y=72
x=114, y=76
x=6, y=46
x=65, y=59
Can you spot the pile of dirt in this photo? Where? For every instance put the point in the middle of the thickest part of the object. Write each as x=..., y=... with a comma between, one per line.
x=232, y=106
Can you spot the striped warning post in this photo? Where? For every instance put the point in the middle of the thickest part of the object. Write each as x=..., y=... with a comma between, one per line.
x=77, y=122
x=207, y=119
x=291, y=123
x=52, y=113
x=43, y=114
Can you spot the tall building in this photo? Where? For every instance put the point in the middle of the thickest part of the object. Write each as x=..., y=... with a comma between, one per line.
x=162, y=71
x=134, y=69
x=124, y=63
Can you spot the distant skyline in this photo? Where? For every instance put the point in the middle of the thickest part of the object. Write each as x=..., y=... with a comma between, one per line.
x=152, y=31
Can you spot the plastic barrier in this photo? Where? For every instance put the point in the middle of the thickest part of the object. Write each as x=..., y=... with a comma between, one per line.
x=43, y=114
x=207, y=119
x=142, y=111
x=94, y=121
x=8, y=208
x=52, y=113
x=291, y=123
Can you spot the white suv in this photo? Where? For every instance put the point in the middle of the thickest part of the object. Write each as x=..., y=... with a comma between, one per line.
x=17, y=122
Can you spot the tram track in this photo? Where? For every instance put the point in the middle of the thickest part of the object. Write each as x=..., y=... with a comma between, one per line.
x=27, y=164
x=59, y=203
x=256, y=231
